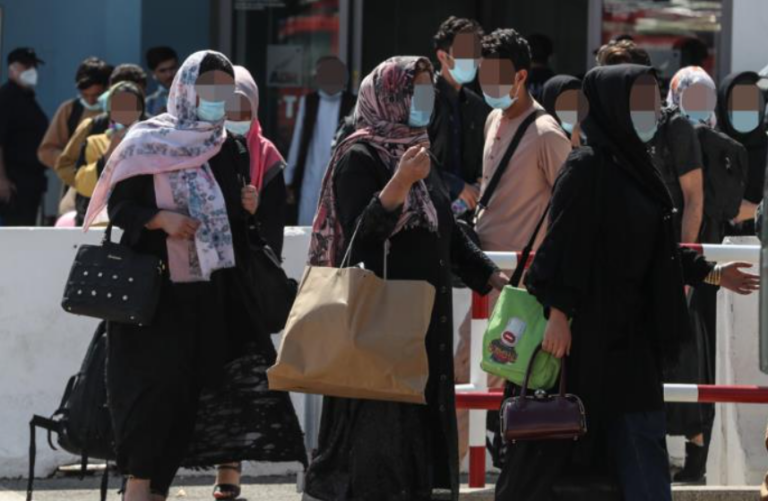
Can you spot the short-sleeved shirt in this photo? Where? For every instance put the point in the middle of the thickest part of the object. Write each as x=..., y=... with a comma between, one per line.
x=676, y=151
x=526, y=186
x=22, y=127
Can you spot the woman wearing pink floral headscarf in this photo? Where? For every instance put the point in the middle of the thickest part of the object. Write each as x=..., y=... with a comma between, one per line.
x=381, y=183
x=178, y=186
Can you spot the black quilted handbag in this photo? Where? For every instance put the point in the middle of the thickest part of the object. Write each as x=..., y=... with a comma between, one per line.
x=112, y=282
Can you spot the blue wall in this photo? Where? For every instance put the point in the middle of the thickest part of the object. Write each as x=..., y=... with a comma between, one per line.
x=64, y=32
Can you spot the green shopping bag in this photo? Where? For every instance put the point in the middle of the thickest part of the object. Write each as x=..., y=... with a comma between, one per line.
x=515, y=330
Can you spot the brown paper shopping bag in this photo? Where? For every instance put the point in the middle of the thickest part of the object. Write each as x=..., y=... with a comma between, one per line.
x=352, y=334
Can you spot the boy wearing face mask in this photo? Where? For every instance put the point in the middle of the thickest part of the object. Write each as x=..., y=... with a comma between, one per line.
x=22, y=126
x=458, y=120
x=525, y=187
x=91, y=79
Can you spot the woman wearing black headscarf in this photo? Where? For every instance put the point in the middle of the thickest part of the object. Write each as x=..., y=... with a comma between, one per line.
x=611, y=263
x=745, y=124
x=567, y=111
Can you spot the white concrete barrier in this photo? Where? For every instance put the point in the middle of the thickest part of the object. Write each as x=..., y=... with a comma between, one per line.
x=41, y=347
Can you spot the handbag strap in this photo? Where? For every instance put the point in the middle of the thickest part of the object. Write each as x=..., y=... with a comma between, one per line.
x=504, y=163
x=107, y=234
x=529, y=370
x=520, y=268
x=348, y=253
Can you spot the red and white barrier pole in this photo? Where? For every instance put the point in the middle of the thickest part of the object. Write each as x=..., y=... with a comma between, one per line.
x=673, y=393
x=479, y=382
x=716, y=253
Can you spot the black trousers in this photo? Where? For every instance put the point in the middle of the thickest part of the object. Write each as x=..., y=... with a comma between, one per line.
x=155, y=375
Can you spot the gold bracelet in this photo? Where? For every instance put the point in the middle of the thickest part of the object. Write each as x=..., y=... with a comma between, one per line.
x=715, y=276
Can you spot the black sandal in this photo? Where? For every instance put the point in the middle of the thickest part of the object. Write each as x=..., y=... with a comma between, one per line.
x=228, y=491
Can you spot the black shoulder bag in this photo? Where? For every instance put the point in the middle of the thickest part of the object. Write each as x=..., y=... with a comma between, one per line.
x=113, y=282
x=485, y=200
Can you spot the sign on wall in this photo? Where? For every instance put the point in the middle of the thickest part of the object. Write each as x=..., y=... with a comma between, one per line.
x=284, y=65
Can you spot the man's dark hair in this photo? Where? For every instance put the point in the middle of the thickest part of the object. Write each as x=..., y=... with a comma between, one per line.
x=508, y=44
x=541, y=47
x=622, y=52
x=214, y=61
x=158, y=55
x=129, y=73
x=446, y=33
x=693, y=52
x=92, y=71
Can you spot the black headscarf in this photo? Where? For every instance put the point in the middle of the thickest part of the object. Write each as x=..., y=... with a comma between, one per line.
x=552, y=90
x=756, y=142
x=609, y=126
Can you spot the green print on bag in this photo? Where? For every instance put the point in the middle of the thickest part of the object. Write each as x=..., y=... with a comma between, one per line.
x=515, y=329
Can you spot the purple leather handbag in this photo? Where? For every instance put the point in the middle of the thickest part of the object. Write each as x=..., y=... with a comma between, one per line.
x=543, y=416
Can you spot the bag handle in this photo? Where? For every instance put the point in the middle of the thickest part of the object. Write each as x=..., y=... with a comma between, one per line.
x=524, y=390
x=107, y=234
x=504, y=163
x=348, y=253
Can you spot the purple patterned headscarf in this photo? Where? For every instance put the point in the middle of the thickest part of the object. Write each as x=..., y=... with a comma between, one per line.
x=381, y=115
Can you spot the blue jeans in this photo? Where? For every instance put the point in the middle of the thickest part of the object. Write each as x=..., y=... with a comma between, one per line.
x=639, y=444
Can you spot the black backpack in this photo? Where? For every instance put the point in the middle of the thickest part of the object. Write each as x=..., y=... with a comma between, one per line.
x=82, y=421
x=725, y=173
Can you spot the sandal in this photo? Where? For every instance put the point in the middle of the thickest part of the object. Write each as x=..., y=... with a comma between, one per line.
x=228, y=491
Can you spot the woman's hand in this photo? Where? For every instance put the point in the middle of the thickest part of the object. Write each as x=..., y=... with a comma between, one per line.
x=498, y=280
x=735, y=280
x=250, y=198
x=557, y=335
x=174, y=224
x=414, y=166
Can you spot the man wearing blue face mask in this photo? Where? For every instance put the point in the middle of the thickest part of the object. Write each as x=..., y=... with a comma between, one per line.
x=458, y=120
x=316, y=123
x=91, y=79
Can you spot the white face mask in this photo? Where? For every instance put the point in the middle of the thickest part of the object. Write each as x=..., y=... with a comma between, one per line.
x=28, y=77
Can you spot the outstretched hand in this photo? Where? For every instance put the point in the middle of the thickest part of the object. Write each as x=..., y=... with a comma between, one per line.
x=738, y=281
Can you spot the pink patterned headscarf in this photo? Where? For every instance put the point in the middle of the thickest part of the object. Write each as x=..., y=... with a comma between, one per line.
x=264, y=154
x=383, y=107
x=175, y=148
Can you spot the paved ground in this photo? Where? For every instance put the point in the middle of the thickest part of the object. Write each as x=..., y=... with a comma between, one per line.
x=189, y=489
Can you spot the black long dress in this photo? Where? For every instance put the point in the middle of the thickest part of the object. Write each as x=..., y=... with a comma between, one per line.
x=194, y=349
x=385, y=451
x=612, y=263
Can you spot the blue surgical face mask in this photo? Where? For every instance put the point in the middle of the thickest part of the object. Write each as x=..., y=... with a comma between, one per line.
x=422, y=103
x=499, y=103
x=241, y=128
x=744, y=121
x=503, y=102
x=91, y=107
x=117, y=126
x=211, y=111
x=697, y=117
x=568, y=120
x=463, y=71
x=645, y=124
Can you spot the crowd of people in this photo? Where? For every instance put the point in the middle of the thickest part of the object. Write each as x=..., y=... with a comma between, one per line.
x=189, y=177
